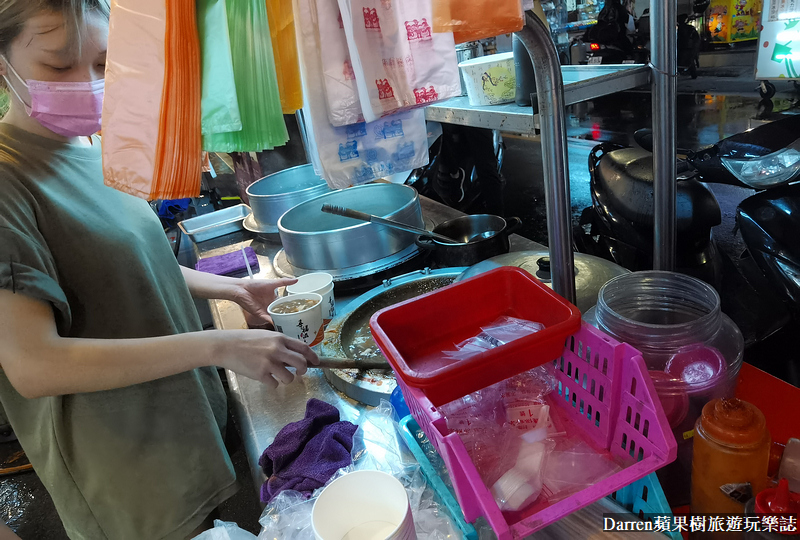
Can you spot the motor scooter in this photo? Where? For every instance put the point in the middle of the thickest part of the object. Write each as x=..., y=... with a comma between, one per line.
x=619, y=224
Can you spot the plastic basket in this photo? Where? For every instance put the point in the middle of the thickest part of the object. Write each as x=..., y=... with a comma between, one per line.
x=644, y=499
x=415, y=439
x=413, y=334
x=605, y=391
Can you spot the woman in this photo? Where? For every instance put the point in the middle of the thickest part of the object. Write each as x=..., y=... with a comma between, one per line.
x=106, y=377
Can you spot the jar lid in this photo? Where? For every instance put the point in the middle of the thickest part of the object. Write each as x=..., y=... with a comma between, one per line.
x=733, y=422
x=701, y=367
x=778, y=501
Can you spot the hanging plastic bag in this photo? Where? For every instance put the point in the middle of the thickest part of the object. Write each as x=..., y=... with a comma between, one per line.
x=357, y=153
x=477, y=19
x=263, y=127
x=344, y=106
x=151, y=111
x=399, y=63
x=284, y=47
x=220, y=107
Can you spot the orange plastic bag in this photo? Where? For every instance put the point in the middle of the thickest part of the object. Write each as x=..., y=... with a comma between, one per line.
x=470, y=20
x=151, y=111
x=284, y=47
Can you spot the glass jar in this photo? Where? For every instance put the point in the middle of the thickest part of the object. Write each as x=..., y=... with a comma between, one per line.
x=692, y=349
x=731, y=450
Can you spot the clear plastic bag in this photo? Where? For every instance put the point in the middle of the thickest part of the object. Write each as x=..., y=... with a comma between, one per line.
x=477, y=19
x=398, y=62
x=357, y=153
x=225, y=530
x=574, y=465
x=376, y=446
x=501, y=331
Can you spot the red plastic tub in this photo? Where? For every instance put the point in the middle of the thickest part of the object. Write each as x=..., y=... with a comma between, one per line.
x=414, y=334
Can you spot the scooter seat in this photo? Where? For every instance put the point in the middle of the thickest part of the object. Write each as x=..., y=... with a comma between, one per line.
x=625, y=176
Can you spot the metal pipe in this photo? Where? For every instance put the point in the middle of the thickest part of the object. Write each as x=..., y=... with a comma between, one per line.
x=664, y=64
x=550, y=95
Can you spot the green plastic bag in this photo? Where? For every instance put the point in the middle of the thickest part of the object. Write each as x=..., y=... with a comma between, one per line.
x=220, y=107
x=263, y=127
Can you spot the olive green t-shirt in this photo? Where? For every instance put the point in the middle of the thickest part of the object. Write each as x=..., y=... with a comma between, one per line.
x=144, y=462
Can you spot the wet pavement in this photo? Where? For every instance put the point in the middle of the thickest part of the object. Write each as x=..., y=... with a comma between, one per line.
x=721, y=107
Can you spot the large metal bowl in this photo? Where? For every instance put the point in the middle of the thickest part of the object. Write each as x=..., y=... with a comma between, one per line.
x=318, y=241
x=271, y=196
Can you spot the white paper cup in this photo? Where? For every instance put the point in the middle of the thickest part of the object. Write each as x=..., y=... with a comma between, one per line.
x=363, y=505
x=490, y=80
x=305, y=325
x=322, y=284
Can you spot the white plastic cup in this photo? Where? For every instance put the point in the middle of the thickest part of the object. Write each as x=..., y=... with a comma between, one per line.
x=322, y=284
x=305, y=325
x=363, y=505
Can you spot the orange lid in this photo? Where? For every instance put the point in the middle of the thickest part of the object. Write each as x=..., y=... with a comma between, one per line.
x=733, y=422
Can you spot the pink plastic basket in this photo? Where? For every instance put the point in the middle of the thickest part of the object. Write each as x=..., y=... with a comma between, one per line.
x=605, y=391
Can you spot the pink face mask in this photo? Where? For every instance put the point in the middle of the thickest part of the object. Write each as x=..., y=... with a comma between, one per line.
x=70, y=109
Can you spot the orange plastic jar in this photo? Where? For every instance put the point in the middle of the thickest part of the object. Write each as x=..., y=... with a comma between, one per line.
x=731, y=446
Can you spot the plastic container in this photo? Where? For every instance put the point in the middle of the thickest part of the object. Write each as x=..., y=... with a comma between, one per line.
x=693, y=350
x=490, y=80
x=731, y=448
x=606, y=395
x=645, y=499
x=416, y=441
x=413, y=334
x=780, y=502
x=790, y=465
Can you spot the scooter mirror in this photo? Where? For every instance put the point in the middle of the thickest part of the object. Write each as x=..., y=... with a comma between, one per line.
x=644, y=138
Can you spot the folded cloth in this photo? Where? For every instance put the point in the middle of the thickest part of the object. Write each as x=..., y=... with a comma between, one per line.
x=231, y=264
x=306, y=454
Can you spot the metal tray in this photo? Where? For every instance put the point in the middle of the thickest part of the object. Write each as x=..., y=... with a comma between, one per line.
x=214, y=224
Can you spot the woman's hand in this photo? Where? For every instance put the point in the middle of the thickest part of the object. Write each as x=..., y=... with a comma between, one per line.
x=264, y=356
x=255, y=295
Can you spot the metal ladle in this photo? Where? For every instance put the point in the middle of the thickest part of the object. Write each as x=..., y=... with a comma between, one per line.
x=363, y=216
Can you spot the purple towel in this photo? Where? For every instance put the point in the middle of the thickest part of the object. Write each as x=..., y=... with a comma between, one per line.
x=306, y=454
x=231, y=264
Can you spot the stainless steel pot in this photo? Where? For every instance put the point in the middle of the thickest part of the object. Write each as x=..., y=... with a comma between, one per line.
x=591, y=273
x=318, y=241
x=271, y=196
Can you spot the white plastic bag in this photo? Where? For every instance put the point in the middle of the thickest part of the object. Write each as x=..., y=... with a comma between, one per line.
x=399, y=63
x=344, y=107
x=356, y=153
x=225, y=530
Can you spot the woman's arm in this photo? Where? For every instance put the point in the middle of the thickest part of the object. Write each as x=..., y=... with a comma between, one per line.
x=39, y=362
x=253, y=295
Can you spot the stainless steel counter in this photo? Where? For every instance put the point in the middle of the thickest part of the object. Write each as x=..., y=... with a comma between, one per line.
x=581, y=83
x=262, y=412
